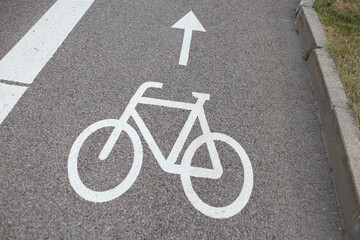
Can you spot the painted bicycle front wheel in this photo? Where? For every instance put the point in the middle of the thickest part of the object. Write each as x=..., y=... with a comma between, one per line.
x=241, y=200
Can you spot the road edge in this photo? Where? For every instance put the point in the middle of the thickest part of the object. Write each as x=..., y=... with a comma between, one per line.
x=339, y=128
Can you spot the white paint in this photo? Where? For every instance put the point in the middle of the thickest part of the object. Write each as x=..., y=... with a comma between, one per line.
x=240, y=202
x=189, y=23
x=185, y=170
x=9, y=95
x=26, y=59
x=104, y=196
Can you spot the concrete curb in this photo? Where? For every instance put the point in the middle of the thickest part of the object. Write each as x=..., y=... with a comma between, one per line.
x=339, y=128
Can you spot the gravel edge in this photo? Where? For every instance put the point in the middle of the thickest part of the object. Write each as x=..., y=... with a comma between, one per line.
x=339, y=128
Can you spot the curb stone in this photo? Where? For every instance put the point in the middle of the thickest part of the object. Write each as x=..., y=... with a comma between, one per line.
x=310, y=29
x=305, y=3
x=339, y=128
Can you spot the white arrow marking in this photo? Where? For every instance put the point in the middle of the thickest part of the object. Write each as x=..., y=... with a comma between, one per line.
x=189, y=23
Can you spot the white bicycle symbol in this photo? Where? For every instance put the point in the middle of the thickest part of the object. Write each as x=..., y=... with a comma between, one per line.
x=185, y=170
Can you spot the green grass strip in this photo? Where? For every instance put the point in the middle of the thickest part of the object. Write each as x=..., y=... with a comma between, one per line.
x=341, y=21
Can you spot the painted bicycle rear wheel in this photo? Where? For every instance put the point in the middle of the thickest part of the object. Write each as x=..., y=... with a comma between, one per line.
x=108, y=195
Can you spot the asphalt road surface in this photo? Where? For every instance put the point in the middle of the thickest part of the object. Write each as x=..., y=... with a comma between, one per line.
x=247, y=57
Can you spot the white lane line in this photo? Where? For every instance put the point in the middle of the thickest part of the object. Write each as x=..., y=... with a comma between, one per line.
x=26, y=59
x=9, y=95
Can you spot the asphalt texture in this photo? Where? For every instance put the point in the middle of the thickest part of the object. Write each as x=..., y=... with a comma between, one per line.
x=249, y=60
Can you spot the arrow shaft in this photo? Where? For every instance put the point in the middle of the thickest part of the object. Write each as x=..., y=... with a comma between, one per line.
x=185, y=49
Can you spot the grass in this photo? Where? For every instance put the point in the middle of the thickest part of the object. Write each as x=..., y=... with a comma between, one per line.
x=341, y=21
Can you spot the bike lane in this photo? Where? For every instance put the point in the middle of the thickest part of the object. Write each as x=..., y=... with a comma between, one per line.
x=249, y=61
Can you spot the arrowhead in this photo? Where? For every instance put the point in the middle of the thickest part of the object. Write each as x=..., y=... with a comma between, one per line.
x=190, y=22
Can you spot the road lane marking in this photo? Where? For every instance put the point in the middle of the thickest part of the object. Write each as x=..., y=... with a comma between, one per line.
x=9, y=95
x=27, y=58
x=169, y=165
x=189, y=23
